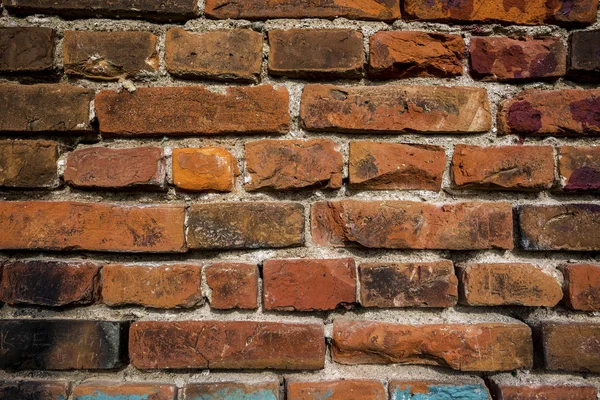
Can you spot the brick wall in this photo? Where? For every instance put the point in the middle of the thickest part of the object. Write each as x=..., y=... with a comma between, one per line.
x=282, y=199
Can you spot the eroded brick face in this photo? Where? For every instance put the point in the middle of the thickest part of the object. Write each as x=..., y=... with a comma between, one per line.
x=26, y=49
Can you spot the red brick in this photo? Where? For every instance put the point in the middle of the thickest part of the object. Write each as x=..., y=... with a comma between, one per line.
x=232, y=54
x=456, y=390
x=44, y=108
x=226, y=345
x=548, y=391
x=204, y=169
x=103, y=168
x=412, y=225
x=551, y=113
x=402, y=54
x=293, y=164
x=28, y=163
x=463, y=347
x=396, y=166
x=503, y=167
x=582, y=286
x=193, y=110
x=424, y=284
x=395, y=109
x=109, y=390
x=26, y=49
x=30, y=389
x=316, y=53
x=232, y=285
x=584, y=64
x=309, y=285
x=164, y=286
x=71, y=225
x=571, y=346
x=355, y=389
x=579, y=168
x=231, y=390
x=526, y=58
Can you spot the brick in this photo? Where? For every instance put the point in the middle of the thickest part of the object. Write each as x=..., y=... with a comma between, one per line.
x=463, y=347
x=72, y=225
x=571, y=346
x=164, y=286
x=533, y=12
x=356, y=389
x=385, y=10
x=584, y=63
x=316, y=53
x=49, y=283
x=247, y=225
x=551, y=113
x=103, y=168
x=228, y=55
x=28, y=49
x=503, y=284
x=573, y=227
x=164, y=10
x=130, y=390
x=28, y=163
x=193, y=110
x=582, y=286
x=544, y=391
x=232, y=390
x=434, y=390
x=412, y=225
x=423, y=284
x=44, y=108
x=503, y=167
x=293, y=164
x=579, y=168
x=309, y=285
x=55, y=344
x=204, y=169
x=232, y=286
x=226, y=345
x=395, y=109
x=396, y=166
x=33, y=390
x=525, y=58
x=405, y=54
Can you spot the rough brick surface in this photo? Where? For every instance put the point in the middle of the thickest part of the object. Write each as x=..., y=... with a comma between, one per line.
x=432, y=390
x=204, y=169
x=582, y=286
x=131, y=390
x=232, y=285
x=356, y=389
x=232, y=390
x=579, y=168
x=394, y=109
x=584, y=63
x=226, y=345
x=26, y=49
x=571, y=346
x=28, y=163
x=544, y=391
x=30, y=389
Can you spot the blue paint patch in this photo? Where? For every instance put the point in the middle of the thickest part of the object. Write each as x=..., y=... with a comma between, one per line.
x=444, y=392
x=98, y=395
x=324, y=396
x=237, y=394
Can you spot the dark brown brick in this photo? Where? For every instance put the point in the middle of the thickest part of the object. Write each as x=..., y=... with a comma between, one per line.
x=571, y=346
x=232, y=390
x=584, y=61
x=28, y=49
x=582, y=286
x=579, y=168
x=28, y=163
x=232, y=285
x=33, y=390
x=355, y=389
x=130, y=390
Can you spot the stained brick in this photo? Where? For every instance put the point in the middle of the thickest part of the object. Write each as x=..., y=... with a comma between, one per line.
x=356, y=389
x=584, y=64
x=571, y=346
x=232, y=285
x=546, y=391
x=28, y=49
x=30, y=389
x=130, y=390
x=579, y=168
x=204, y=169
x=582, y=286
x=433, y=390
x=28, y=163
x=232, y=390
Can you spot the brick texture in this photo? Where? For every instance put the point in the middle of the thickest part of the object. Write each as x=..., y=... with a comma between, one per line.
x=28, y=163
x=232, y=285
x=26, y=49
x=30, y=389
x=232, y=390
x=549, y=392
x=579, y=168
x=571, y=346
x=582, y=286
x=358, y=389
x=437, y=389
x=204, y=169
x=100, y=389
x=583, y=64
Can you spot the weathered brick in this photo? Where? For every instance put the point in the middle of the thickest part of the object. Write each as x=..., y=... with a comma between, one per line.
x=232, y=391
x=503, y=167
x=579, y=168
x=28, y=163
x=582, y=286
x=355, y=389
x=71, y=225
x=548, y=391
x=404, y=54
x=100, y=167
x=463, y=347
x=204, y=169
x=383, y=10
x=49, y=283
x=574, y=227
x=58, y=344
x=245, y=225
x=395, y=109
x=44, y=108
x=309, y=285
x=525, y=58
x=193, y=110
x=26, y=49
x=375, y=165
x=226, y=345
x=584, y=63
x=436, y=390
x=316, y=53
x=502, y=284
x=293, y=164
x=532, y=12
x=164, y=286
x=232, y=285
x=233, y=54
x=412, y=225
x=130, y=390
x=424, y=284
x=33, y=390
x=571, y=346
x=551, y=113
